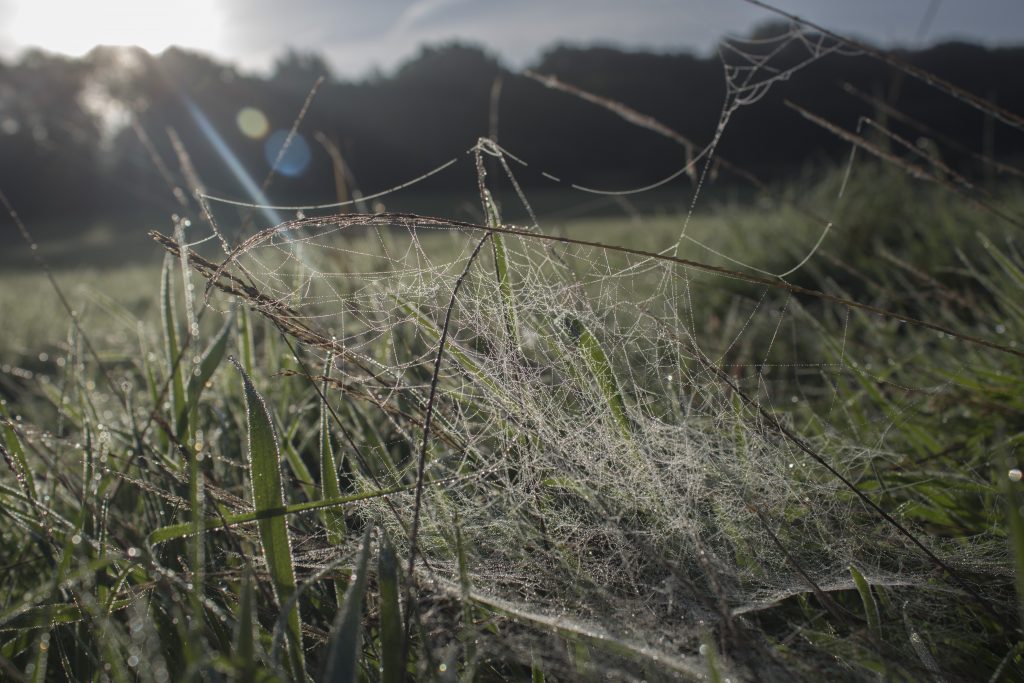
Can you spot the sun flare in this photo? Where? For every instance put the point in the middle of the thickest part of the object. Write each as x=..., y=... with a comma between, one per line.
x=74, y=28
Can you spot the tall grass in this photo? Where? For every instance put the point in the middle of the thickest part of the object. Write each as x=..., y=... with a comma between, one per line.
x=554, y=459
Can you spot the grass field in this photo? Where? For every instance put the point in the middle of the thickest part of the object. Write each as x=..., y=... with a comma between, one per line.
x=390, y=448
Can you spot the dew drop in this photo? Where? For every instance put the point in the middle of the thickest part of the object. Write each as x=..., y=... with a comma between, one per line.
x=1015, y=474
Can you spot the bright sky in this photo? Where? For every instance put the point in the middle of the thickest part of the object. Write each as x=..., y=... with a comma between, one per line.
x=356, y=35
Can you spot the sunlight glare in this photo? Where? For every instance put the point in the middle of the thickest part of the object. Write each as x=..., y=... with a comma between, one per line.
x=74, y=28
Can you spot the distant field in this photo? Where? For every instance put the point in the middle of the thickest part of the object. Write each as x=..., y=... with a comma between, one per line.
x=109, y=274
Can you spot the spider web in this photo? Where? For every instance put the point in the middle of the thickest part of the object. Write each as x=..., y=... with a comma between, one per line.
x=612, y=433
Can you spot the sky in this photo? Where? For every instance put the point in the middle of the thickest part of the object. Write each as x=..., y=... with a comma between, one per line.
x=357, y=36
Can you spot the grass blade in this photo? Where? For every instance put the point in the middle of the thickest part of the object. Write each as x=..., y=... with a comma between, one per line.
x=208, y=364
x=870, y=606
x=333, y=518
x=172, y=351
x=343, y=646
x=268, y=494
x=597, y=362
x=245, y=645
x=392, y=663
x=175, y=531
x=501, y=269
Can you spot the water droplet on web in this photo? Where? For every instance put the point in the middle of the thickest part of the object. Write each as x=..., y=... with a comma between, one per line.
x=1015, y=474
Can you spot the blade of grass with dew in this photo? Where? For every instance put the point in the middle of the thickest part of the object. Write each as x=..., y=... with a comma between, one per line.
x=55, y=614
x=22, y=471
x=246, y=344
x=295, y=462
x=536, y=673
x=268, y=494
x=501, y=270
x=597, y=362
x=333, y=519
x=466, y=588
x=175, y=531
x=245, y=624
x=172, y=352
x=42, y=657
x=343, y=645
x=392, y=664
x=208, y=364
x=1015, y=518
x=187, y=424
x=868, y=600
x=710, y=653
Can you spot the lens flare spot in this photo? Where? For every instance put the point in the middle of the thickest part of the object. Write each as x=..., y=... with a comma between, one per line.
x=253, y=123
x=295, y=158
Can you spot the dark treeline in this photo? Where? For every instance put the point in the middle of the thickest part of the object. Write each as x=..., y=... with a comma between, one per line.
x=70, y=150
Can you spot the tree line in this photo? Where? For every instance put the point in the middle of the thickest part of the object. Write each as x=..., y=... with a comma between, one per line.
x=91, y=137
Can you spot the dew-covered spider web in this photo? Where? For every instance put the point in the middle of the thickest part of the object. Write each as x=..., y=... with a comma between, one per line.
x=649, y=442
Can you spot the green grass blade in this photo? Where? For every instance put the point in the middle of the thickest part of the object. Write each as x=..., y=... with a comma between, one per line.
x=172, y=351
x=246, y=343
x=870, y=606
x=1015, y=533
x=208, y=364
x=268, y=494
x=333, y=518
x=466, y=588
x=55, y=614
x=42, y=656
x=245, y=645
x=501, y=270
x=343, y=646
x=295, y=462
x=175, y=531
x=392, y=664
x=597, y=362
x=328, y=468
x=22, y=473
x=710, y=653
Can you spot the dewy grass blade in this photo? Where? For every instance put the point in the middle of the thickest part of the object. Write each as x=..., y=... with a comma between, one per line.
x=18, y=460
x=208, y=364
x=343, y=647
x=174, y=531
x=246, y=341
x=268, y=494
x=597, y=362
x=501, y=269
x=171, y=341
x=245, y=645
x=392, y=663
x=868, y=599
x=333, y=518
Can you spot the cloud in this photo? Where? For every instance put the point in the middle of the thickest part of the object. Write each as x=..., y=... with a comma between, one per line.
x=421, y=11
x=355, y=35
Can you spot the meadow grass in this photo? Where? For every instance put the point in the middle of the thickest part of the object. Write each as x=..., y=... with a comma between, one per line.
x=633, y=470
